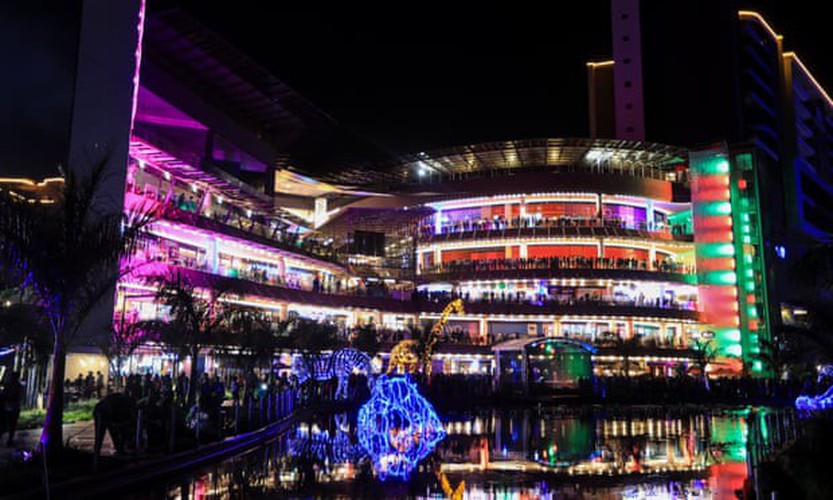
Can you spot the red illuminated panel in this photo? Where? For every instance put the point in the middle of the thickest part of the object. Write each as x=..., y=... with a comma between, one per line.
x=495, y=210
x=717, y=264
x=540, y=251
x=558, y=209
x=625, y=253
x=725, y=479
x=474, y=254
x=713, y=222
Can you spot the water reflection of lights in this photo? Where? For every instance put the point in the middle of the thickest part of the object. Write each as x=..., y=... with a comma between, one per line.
x=667, y=456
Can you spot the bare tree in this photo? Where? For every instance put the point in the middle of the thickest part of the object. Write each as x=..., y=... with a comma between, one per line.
x=123, y=337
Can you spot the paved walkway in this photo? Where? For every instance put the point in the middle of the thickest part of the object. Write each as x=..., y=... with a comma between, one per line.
x=79, y=435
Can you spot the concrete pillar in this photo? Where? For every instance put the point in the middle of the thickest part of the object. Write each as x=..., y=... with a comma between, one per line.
x=283, y=311
x=523, y=251
x=652, y=256
x=103, y=104
x=649, y=215
x=212, y=258
x=483, y=328
x=555, y=329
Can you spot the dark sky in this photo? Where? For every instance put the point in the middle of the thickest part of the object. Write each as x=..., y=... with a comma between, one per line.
x=406, y=76
x=416, y=76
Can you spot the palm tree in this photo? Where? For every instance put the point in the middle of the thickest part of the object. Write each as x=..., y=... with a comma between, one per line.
x=194, y=321
x=704, y=354
x=70, y=256
x=250, y=341
x=365, y=339
x=626, y=348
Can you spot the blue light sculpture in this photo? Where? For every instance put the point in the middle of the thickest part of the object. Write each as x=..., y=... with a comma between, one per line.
x=398, y=427
x=816, y=403
x=340, y=365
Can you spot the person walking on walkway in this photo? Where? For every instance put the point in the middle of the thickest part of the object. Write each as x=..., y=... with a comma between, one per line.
x=10, y=396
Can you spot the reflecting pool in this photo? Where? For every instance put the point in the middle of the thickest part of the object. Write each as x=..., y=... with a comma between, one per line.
x=559, y=451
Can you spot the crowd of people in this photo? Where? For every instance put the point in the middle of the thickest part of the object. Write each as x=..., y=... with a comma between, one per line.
x=544, y=300
x=427, y=229
x=554, y=264
x=179, y=203
x=85, y=387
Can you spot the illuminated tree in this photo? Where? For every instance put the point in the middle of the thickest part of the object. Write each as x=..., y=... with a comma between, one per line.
x=68, y=254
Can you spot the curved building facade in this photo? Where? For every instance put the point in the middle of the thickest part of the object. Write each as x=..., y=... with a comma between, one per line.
x=577, y=239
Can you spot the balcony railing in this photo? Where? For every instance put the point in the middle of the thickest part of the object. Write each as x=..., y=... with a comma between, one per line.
x=549, y=228
x=572, y=307
x=245, y=229
x=474, y=268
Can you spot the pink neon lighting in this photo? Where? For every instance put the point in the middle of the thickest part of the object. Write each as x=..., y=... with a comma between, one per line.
x=140, y=29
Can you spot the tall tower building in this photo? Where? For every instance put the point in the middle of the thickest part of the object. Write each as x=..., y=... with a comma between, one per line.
x=708, y=76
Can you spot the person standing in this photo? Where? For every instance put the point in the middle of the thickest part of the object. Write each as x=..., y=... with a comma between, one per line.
x=10, y=397
x=99, y=384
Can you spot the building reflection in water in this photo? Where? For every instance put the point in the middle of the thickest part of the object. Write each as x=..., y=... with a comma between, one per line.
x=645, y=453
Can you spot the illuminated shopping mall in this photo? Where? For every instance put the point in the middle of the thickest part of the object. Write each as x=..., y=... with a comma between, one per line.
x=610, y=256
x=580, y=240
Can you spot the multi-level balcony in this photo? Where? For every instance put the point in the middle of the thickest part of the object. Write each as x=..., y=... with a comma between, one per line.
x=251, y=230
x=274, y=293
x=548, y=228
x=559, y=267
x=685, y=311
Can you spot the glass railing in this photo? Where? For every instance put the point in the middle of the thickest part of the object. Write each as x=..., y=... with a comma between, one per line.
x=427, y=230
x=239, y=226
x=556, y=263
x=499, y=298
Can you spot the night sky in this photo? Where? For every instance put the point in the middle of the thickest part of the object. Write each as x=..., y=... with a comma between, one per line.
x=407, y=77
x=416, y=76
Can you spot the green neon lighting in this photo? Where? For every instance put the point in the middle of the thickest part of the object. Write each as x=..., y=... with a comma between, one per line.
x=714, y=208
x=713, y=166
x=716, y=250
x=733, y=350
x=719, y=278
x=748, y=232
x=728, y=336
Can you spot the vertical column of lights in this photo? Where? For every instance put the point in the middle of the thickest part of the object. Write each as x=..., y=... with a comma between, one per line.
x=754, y=315
x=714, y=247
